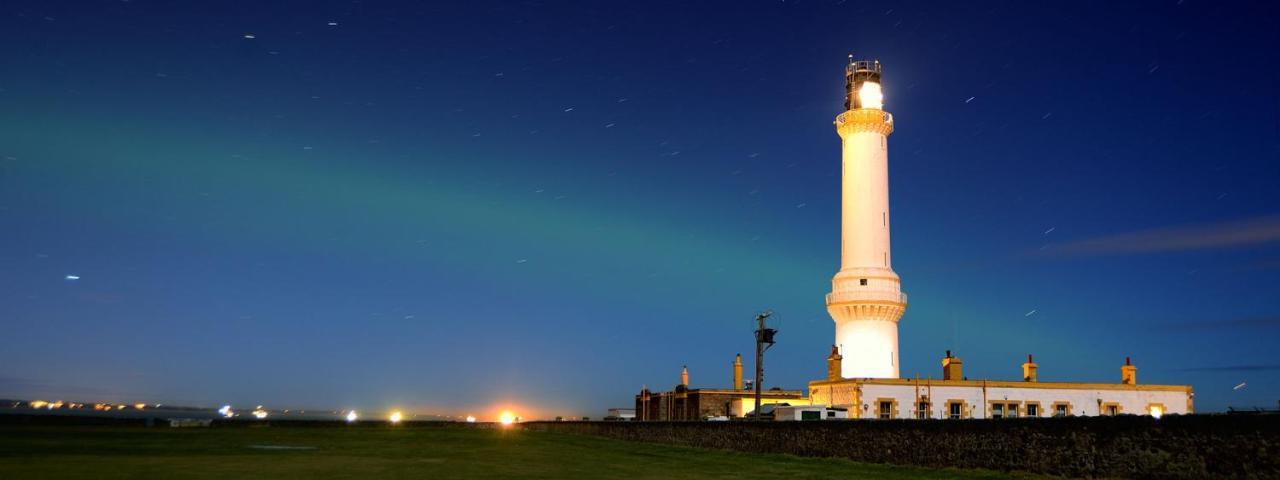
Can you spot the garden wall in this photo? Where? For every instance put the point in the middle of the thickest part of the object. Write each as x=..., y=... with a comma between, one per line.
x=1195, y=446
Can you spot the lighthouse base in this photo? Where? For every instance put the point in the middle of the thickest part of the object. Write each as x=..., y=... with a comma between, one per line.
x=869, y=347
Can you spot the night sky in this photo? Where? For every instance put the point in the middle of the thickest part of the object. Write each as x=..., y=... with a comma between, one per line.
x=452, y=208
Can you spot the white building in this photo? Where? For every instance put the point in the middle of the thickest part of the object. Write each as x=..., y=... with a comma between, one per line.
x=625, y=414
x=788, y=413
x=866, y=302
x=956, y=397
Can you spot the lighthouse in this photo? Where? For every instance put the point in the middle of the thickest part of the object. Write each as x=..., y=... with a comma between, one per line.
x=866, y=302
x=866, y=299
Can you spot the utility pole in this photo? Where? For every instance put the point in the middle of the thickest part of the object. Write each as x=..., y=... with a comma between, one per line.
x=763, y=336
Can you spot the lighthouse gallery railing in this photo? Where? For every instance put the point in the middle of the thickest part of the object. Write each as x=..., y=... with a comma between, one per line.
x=840, y=297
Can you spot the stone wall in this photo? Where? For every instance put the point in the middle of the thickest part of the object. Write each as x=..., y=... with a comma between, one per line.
x=1196, y=446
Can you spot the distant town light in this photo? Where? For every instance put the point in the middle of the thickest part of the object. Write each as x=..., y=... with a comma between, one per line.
x=395, y=417
x=226, y=411
x=507, y=418
x=471, y=419
x=351, y=416
x=260, y=413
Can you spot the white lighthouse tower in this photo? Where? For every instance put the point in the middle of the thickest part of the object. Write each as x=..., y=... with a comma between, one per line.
x=866, y=298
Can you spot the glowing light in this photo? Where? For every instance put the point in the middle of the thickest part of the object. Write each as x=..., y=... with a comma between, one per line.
x=870, y=95
x=72, y=277
x=507, y=418
x=351, y=416
x=395, y=417
x=139, y=406
x=1156, y=411
x=226, y=411
x=259, y=413
x=471, y=419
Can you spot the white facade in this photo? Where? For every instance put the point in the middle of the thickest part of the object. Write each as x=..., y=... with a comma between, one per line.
x=866, y=299
x=900, y=398
x=621, y=414
x=809, y=412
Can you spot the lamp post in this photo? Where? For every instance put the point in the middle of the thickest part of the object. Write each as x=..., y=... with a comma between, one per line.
x=763, y=336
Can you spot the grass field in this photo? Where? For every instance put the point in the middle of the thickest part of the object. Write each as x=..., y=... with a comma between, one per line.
x=316, y=453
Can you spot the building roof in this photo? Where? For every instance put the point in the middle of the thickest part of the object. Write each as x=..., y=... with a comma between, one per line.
x=1002, y=384
x=730, y=391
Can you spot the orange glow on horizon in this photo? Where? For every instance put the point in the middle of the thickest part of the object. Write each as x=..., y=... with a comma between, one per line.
x=506, y=418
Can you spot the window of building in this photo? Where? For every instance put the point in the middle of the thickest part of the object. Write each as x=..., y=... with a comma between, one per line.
x=997, y=410
x=862, y=281
x=922, y=411
x=1033, y=409
x=886, y=409
x=1011, y=411
x=1112, y=410
x=1061, y=409
x=955, y=410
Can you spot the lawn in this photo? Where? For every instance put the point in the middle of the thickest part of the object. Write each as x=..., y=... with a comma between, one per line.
x=456, y=451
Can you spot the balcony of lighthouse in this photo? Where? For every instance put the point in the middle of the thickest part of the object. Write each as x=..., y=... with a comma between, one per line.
x=866, y=296
x=863, y=65
x=870, y=117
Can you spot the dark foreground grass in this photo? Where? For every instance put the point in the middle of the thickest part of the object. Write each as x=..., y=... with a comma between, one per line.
x=317, y=453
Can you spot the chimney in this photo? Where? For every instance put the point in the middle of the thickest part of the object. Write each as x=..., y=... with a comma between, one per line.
x=1128, y=373
x=684, y=375
x=833, y=364
x=1029, y=370
x=952, y=368
x=737, y=372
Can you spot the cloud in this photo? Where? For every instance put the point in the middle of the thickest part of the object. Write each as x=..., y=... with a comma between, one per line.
x=1233, y=368
x=1239, y=233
